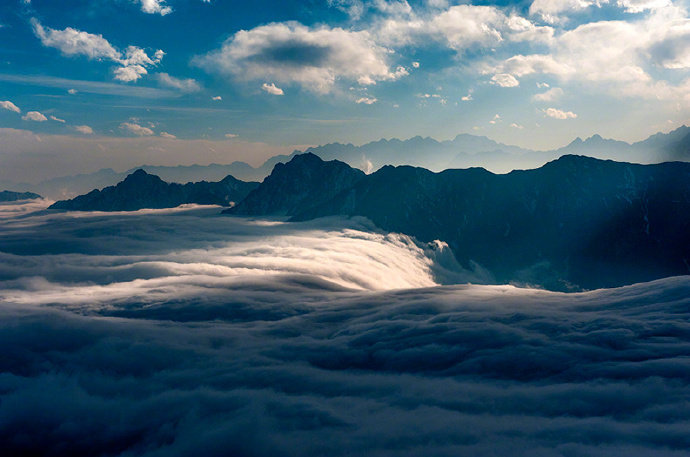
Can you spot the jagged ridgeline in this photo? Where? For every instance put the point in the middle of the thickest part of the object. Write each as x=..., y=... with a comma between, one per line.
x=142, y=190
x=576, y=222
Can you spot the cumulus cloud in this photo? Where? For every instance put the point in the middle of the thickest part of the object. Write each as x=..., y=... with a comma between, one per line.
x=231, y=135
x=136, y=129
x=84, y=129
x=183, y=85
x=462, y=27
x=559, y=114
x=34, y=116
x=272, y=89
x=155, y=7
x=8, y=105
x=57, y=119
x=290, y=364
x=167, y=135
x=71, y=42
x=504, y=80
x=627, y=66
x=550, y=95
x=312, y=57
x=366, y=100
x=217, y=98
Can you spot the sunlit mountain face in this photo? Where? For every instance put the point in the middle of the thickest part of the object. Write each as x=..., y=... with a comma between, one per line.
x=344, y=227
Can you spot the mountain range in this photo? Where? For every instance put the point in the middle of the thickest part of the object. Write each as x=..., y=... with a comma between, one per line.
x=143, y=190
x=10, y=196
x=575, y=223
x=463, y=151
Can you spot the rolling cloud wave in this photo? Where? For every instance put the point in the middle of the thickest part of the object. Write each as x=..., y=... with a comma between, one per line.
x=210, y=353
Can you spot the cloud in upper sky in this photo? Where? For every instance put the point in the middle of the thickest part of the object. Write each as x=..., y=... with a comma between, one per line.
x=8, y=105
x=550, y=95
x=155, y=7
x=136, y=129
x=71, y=42
x=183, y=85
x=84, y=129
x=559, y=114
x=291, y=53
x=504, y=80
x=35, y=116
x=634, y=51
x=272, y=89
x=460, y=28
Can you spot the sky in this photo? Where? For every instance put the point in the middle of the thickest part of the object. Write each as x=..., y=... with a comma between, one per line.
x=88, y=84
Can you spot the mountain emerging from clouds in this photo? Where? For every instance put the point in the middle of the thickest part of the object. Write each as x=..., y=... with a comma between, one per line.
x=10, y=196
x=575, y=223
x=142, y=190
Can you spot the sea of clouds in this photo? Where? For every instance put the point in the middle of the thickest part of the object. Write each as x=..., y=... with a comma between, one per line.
x=181, y=332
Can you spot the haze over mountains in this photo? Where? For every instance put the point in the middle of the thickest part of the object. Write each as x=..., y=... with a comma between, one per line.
x=462, y=152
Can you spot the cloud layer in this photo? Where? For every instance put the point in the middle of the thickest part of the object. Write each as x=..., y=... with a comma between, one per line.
x=294, y=364
x=103, y=356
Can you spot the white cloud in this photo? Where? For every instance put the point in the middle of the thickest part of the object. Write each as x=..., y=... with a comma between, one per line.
x=291, y=53
x=556, y=11
x=272, y=89
x=638, y=6
x=549, y=96
x=71, y=42
x=155, y=7
x=84, y=129
x=72, y=91
x=496, y=119
x=136, y=129
x=34, y=116
x=129, y=73
x=231, y=135
x=462, y=27
x=366, y=100
x=629, y=64
x=167, y=135
x=57, y=119
x=504, y=80
x=217, y=98
x=517, y=126
x=8, y=105
x=559, y=114
x=183, y=85
x=415, y=64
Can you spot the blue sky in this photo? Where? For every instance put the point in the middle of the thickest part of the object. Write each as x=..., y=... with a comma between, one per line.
x=124, y=82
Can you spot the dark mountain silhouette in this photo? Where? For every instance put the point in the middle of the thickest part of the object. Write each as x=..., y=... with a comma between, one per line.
x=464, y=151
x=142, y=190
x=303, y=183
x=10, y=196
x=576, y=222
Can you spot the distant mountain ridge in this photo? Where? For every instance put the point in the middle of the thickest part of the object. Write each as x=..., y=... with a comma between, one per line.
x=464, y=151
x=576, y=222
x=142, y=190
x=10, y=196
